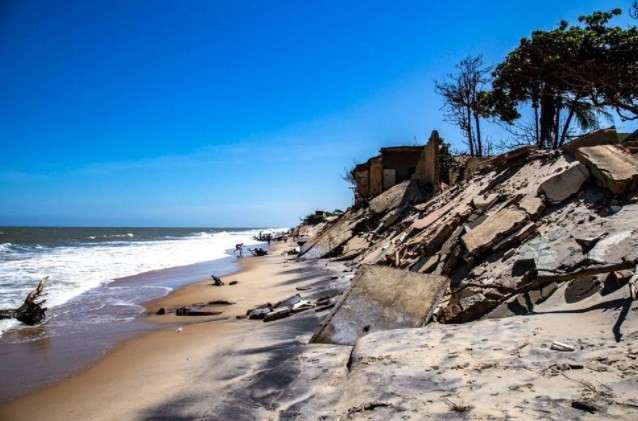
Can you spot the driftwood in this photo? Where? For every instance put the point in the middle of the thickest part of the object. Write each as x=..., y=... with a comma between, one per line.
x=263, y=237
x=258, y=252
x=31, y=312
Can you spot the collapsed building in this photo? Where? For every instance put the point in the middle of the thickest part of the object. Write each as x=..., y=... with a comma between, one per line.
x=504, y=236
x=397, y=164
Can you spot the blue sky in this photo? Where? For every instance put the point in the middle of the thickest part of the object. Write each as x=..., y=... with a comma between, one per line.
x=226, y=113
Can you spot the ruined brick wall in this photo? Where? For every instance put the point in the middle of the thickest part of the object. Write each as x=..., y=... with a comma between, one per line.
x=401, y=162
x=428, y=168
x=408, y=158
x=362, y=177
x=376, y=176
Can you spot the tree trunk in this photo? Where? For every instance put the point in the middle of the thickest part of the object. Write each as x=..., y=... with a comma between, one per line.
x=479, y=145
x=568, y=121
x=31, y=312
x=470, y=139
x=548, y=111
x=556, y=128
x=536, y=128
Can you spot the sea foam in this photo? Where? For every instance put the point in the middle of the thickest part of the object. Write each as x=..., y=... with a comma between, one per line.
x=75, y=269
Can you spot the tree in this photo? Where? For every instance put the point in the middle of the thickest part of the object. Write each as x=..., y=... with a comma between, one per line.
x=531, y=74
x=464, y=100
x=607, y=73
x=569, y=76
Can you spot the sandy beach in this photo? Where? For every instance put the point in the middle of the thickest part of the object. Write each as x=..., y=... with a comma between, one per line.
x=326, y=211
x=157, y=374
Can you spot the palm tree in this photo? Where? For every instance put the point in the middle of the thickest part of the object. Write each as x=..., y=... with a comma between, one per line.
x=586, y=115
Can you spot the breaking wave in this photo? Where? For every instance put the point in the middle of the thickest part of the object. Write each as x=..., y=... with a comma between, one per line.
x=79, y=267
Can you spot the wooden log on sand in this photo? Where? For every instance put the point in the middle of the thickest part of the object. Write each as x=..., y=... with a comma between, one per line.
x=258, y=252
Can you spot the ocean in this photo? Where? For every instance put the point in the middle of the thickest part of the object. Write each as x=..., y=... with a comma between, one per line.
x=99, y=279
x=81, y=262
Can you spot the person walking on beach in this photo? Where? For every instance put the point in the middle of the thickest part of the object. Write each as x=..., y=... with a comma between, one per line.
x=239, y=248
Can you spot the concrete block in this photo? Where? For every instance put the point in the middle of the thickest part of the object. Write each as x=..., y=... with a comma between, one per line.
x=381, y=298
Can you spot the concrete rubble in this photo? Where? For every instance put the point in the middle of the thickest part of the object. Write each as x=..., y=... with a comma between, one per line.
x=599, y=137
x=564, y=184
x=613, y=168
x=362, y=224
x=443, y=271
x=522, y=221
x=493, y=229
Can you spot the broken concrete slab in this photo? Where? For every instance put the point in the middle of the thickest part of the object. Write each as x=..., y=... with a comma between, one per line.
x=497, y=368
x=469, y=304
x=333, y=237
x=517, y=154
x=564, y=184
x=522, y=303
x=200, y=311
x=277, y=314
x=474, y=165
x=484, y=201
x=552, y=257
x=404, y=193
x=493, y=229
x=450, y=209
x=433, y=240
x=516, y=237
x=544, y=277
x=381, y=298
x=588, y=239
x=290, y=301
x=426, y=264
x=431, y=217
x=259, y=312
x=355, y=246
x=581, y=288
x=599, y=137
x=532, y=205
x=615, y=248
x=613, y=169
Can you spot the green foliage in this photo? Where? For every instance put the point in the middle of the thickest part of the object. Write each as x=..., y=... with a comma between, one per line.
x=320, y=216
x=569, y=74
x=446, y=160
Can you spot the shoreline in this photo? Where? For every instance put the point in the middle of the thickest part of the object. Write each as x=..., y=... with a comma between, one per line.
x=161, y=362
x=80, y=332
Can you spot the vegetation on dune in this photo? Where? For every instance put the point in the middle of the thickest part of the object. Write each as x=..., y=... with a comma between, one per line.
x=464, y=94
x=319, y=216
x=553, y=86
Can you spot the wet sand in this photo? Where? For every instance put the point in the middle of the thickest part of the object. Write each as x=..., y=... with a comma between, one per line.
x=78, y=333
x=211, y=368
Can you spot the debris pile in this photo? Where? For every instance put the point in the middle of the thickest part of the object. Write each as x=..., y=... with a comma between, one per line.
x=518, y=225
x=292, y=305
